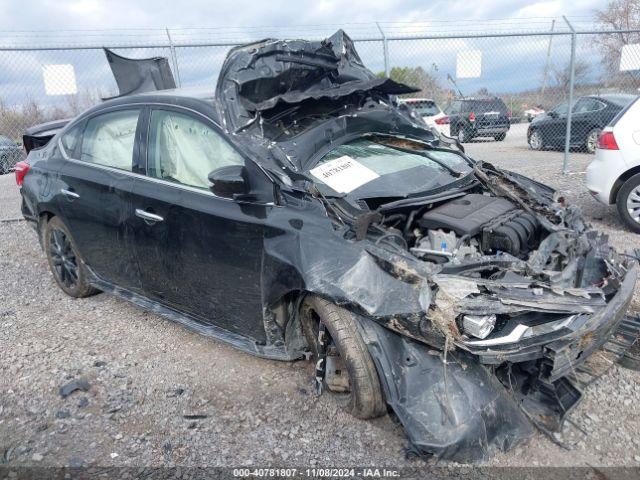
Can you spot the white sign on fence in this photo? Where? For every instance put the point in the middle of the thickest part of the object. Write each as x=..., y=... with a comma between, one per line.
x=469, y=64
x=59, y=79
x=630, y=57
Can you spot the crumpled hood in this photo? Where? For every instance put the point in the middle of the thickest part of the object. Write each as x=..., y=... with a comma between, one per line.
x=260, y=76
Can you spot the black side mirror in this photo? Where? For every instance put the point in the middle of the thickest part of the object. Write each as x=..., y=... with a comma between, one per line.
x=553, y=114
x=229, y=181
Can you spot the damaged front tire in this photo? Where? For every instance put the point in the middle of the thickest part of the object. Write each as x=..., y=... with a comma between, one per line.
x=358, y=392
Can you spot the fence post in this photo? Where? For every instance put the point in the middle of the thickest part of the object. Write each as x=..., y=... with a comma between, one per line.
x=174, y=58
x=385, y=50
x=572, y=71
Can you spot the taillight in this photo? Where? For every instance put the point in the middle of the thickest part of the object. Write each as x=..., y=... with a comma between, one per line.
x=442, y=121
x=606, y=141
x=21, y=170
x=472, y=117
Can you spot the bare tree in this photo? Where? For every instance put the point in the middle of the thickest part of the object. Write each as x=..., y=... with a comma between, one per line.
x=561, y=76
x=618, y=15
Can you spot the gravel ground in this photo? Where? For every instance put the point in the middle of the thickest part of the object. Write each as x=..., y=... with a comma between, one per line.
x=160, y=395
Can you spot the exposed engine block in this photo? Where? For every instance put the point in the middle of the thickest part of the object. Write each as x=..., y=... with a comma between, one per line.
x=477, y=223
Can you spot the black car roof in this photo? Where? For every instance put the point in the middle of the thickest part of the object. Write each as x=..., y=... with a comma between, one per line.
x=620, y=99
x=199, y=98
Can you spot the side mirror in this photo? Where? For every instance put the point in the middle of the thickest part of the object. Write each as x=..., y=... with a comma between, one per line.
x=229, y=181
x=553, y=114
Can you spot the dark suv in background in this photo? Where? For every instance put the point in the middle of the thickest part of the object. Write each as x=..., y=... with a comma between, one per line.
x=478, y=117
x=590, y=114
x=10, y=154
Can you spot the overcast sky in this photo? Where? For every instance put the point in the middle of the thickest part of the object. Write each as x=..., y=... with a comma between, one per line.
x=60, y=14
x=508, y=65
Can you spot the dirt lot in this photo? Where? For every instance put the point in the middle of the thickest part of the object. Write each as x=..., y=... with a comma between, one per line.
x=160, y=395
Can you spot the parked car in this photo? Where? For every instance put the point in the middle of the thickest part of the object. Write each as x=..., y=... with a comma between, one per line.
x=323, y=219
x=10, y=154
x=430, y=112
x=533, y=112
x=478, y=117
x=613, y=177
x=589, y=116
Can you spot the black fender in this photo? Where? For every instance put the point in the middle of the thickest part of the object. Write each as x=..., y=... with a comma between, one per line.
x=455, y=411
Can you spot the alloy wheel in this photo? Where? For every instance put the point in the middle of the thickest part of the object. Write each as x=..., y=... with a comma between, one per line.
x=65, y=264
x=592, y=140
x=535, y=140
x=633, y=204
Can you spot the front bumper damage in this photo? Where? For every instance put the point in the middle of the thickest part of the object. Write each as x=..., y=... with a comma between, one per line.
x=454, y=407
x=564, y=324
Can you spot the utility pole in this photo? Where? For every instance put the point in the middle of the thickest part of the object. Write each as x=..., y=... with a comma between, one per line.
x=385, y=51
x=174, y=58
x=572, y=74
x=546, y=64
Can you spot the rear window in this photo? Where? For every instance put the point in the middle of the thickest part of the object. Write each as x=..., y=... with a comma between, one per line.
x=484, y=106
x=424, y=107
x=621, y=113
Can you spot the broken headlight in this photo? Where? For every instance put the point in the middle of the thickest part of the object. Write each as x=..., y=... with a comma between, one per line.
x=479, y=326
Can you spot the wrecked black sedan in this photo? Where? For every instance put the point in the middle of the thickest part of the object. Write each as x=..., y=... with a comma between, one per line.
x=302, y=212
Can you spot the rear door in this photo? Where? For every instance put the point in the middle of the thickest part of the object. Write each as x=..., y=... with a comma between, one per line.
x=585, y=117
x=96, y=182
x=198, y=253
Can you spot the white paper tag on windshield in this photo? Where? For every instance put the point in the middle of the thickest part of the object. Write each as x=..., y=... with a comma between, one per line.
x=343, y=174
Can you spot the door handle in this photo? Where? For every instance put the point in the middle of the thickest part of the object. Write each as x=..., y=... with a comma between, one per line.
x=69, y=194
x=147, y=216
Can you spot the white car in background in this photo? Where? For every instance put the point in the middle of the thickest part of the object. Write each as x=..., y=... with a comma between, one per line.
x=613, y=177
x=532, y=112
x=430, y=112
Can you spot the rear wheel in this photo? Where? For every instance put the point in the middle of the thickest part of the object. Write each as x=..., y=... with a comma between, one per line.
x=628, y=203
x=535, y=140
x=350, y=373
x=500, y=137
x=464, y=135
x=66, y=265
x=592, y=140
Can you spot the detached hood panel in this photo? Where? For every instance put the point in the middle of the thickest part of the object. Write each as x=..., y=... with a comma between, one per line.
x=140, y=75
x=261, y=76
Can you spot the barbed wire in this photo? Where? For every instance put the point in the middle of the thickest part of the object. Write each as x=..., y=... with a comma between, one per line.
x=146, y=36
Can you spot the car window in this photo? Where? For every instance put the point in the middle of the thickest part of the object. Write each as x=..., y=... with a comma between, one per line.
x=108, y=139
x=367, y=167
x=489, y=105
x=585, y=105
x=561, y=109
x=425, y=107
x=185, y=150
x=70, y=139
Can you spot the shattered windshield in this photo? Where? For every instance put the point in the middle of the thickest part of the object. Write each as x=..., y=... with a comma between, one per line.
x=367, y=168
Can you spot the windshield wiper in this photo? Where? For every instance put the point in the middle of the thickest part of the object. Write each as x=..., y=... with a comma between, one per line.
x=454, y=192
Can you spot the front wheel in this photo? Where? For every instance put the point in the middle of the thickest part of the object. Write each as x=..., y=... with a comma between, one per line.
x=66, y=265
x=628, y=203
x=535, y=140
x=592, y=140
x=500, y=137
x=350, y=374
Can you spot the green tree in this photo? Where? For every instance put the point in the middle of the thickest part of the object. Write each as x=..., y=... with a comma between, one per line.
x=417, y=77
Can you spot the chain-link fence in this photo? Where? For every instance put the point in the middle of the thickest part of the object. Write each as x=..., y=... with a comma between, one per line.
x=508, y=86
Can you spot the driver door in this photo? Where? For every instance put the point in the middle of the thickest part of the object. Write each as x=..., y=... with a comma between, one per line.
x=198, y=253
x=554, y=129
